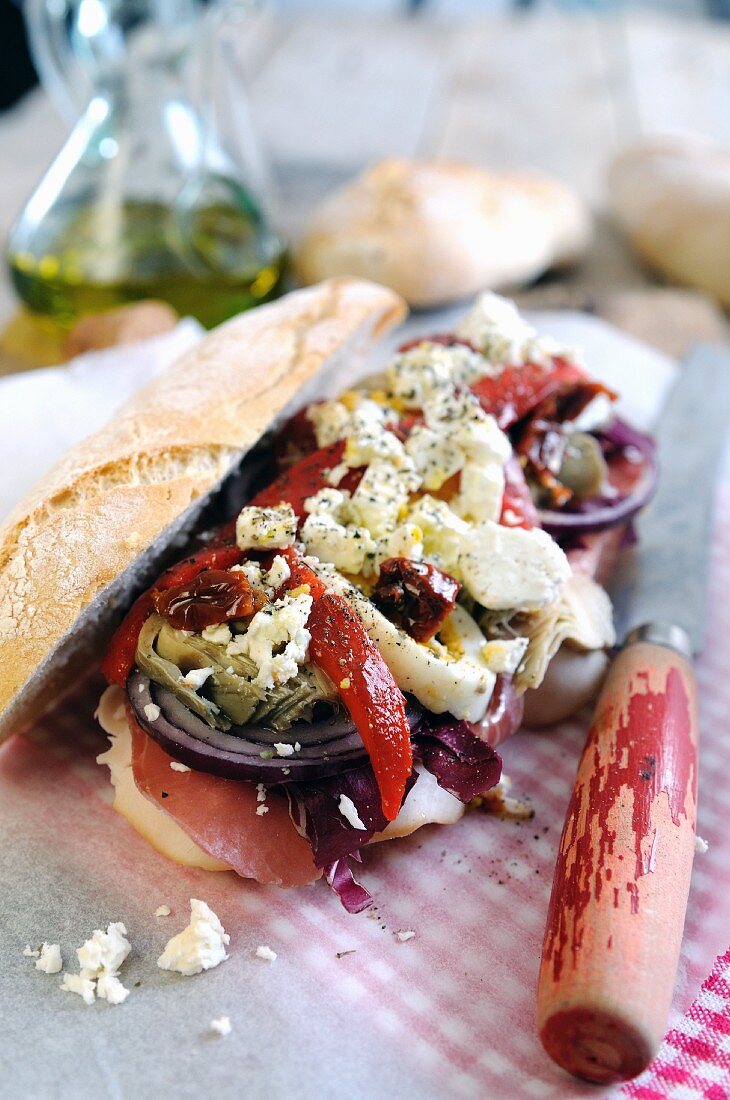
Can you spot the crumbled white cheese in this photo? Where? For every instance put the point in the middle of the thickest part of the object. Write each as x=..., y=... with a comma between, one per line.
x=100, y=959
x=260, y=792
x=77, y=983
x=200, y=946
x=151, y=711
x=104, y=952
x=328, y=502
x=196, y=677
x=252, y=572
x=348, y=809
x=177, y=766
x=219, y=634
x=406, y=541
x=264, y=952
x=405, y=934
x=30, y=952
x=436, y=455
x=417, y=374
x=266, y=528
x=331, y=420
x=277, y=640
x=344, y=547
x=443, y=532
x=279, y=573
x=495, y=326
x=282, y=749
x=261, y=810
x=109, y=988
x=701, y=846
x=381, y=495
x=345, y=683
x=50, y=961
x=163, y=911
x=371, y=441
x=481, y=491
x=509, y=568
x=221, y=1026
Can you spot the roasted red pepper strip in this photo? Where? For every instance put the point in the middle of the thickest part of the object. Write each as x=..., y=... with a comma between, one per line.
x=515, y=391
x=341, y=647
x=119, y=659
x=305, y=478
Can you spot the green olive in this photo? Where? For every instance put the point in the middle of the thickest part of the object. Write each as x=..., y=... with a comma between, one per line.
x=583, y=469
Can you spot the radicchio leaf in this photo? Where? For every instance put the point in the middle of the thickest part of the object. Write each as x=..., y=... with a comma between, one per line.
x=315, y=811
x=353, y=896
x=462, y=763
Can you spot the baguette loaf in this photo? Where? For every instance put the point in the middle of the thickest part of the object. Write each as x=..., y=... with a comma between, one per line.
x=438, y=232
x=98, y=528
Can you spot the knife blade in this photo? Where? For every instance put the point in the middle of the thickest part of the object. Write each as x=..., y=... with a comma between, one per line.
x=619, y=896
x=662, y=580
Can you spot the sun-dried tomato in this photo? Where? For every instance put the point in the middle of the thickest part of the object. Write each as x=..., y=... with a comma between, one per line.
x=415, y=595
x=215, y=596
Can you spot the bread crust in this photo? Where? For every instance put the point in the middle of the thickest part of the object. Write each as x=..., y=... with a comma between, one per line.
x=438, y=232
x=671, y=196
x=94, y=531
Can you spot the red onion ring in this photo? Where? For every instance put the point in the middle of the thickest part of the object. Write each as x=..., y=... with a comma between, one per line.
x=600, y=513
x=326, y=747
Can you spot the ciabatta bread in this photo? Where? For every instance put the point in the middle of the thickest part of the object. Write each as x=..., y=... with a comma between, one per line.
x=438, y=232
x=100, y=525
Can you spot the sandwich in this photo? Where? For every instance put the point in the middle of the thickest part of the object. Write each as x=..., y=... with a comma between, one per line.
x=343, y=591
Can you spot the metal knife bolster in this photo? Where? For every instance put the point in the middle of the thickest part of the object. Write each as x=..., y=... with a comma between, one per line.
x=668, y=635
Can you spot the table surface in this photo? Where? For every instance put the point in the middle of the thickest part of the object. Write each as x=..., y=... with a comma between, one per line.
x=558, y=92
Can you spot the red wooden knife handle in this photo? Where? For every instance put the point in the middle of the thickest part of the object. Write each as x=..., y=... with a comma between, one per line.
x=619, y=897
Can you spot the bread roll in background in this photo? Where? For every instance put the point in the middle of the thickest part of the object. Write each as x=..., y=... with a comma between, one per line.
x=438, y=232
x=671, y=196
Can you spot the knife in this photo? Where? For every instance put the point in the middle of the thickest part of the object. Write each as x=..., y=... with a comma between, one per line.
x=619, y=895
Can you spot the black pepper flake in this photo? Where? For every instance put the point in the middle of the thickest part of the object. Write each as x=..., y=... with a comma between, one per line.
x=164, y=794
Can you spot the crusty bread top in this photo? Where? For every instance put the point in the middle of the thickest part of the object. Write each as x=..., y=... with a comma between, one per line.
x=671, y=195
x=95, y=528
x=437, y=232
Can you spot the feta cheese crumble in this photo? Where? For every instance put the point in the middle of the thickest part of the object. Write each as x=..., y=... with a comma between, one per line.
x=277, y=640
x=266, y=528
x=264, y=952
x=405, y=935
x=152, y=712
x=178, y=767
x=219, y=634
x=30, y=952
x=196, y=677
x=701, y=846
x=200, y=946
x=348, y=809
x=221, y=1026
x=162, y=911
x=100, y=959
x=261, y=810
x=50, y=961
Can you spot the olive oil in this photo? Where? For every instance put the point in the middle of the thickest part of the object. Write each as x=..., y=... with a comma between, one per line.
x=208, y=262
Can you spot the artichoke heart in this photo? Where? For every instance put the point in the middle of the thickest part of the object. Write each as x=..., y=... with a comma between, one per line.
x=229, y=696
